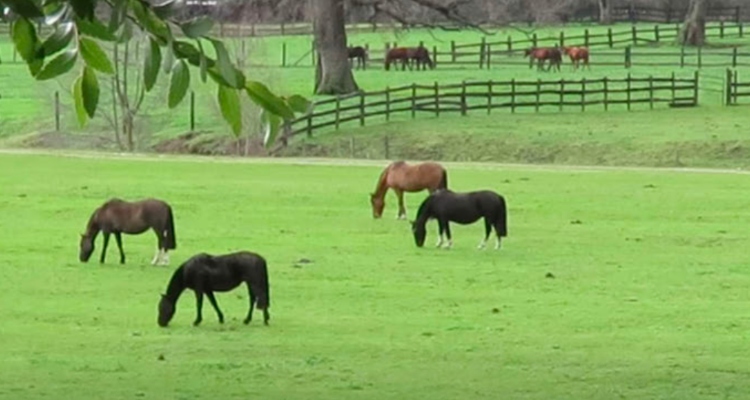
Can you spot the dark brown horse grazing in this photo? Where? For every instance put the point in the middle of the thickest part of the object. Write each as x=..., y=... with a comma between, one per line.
x=396, y=54
x=578, y=54
x=358, y=53
x=541, y=54
x=407, y=54
x=402, y=177
x=118, y=216
x=206, y=274
x=422, y=57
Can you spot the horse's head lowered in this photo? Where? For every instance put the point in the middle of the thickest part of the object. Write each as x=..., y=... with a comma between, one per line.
x=86, y=248
x=378, y=203
x=420, y=232
x=166, y=311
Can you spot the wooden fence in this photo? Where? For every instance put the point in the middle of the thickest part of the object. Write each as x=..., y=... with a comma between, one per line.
x=485, y=53
x=736, y=91
x=513, y=95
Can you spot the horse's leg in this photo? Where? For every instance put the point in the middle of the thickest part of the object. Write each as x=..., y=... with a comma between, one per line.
x=440, y=234
x=487, y=231
x=212, y=299
x=401, y=208
x=118, y=239
x=266, y=316
x=251, y=294
x=497, y=237
x=198, y=307
x=104, y=247
x=448, y=235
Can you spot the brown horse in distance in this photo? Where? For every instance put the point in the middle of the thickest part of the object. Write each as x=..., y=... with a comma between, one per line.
x=359, y=54
x=407, y=54
x=402, y=177
x=542, y=54
x=117, y=216
x=578, y=54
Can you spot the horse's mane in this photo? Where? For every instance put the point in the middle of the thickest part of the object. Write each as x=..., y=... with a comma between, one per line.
x=422, y=210
x=177, y=282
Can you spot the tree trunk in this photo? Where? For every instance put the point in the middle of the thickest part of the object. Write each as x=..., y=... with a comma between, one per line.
x=693, y=31
x=605, y=12
x=333, y=74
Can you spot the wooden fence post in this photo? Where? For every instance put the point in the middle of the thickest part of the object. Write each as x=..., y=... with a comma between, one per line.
x=367, y=56
x=463, y=98
x=57, y=111
x=534, y=41
x=453, y=51
x=510, y=45
x=283, y=54
x=562, y=94
x=586, y=37
x=628, y=58
x=627, y=81
x=695, y=88
x=387, y=103
x=673, y=87
x=361, y=108
x=538, y=89
x=437, y=100
x=434, y=56
x=728, y=87
x=656, y=33
x=338, y=112
x=634, y=31
x=651, y=91
x=700, y=57
x=481, y=53
x=721, y=29
x=682, y=57
x=562, y=38
x=489, y=52
x=489, y=97
x=583, y=94
x=192, y=111
x=609, y=38
x=513, y=96
x=606, y=94
x=413, y=100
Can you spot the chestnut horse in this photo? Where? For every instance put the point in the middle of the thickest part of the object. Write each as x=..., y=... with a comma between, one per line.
x=406, y=54
x=358, y=53
x=402, y=177
x=118, y=216
x=541, y=54
x=578, y=54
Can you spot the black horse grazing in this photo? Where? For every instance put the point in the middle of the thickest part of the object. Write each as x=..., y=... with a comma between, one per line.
x=206, y=274
x=463, y=208
x=118, y=216
x=358, y=53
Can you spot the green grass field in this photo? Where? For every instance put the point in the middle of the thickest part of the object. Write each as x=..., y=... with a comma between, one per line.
x=648, y=299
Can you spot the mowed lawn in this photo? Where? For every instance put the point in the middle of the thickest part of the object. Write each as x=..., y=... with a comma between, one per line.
x=612, y=284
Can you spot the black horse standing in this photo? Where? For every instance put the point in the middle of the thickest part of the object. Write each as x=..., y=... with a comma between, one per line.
x=206, y=274
x=359, y=54
x=463, y=208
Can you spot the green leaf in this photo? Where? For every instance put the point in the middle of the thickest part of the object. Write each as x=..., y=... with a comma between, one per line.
x=151, y=63
x=78, y=100
x=197, y=27
x=118, y=15
x=151, y=22
x=270, y=124
x=229, y=102
x=84, y=8
x=225, y=68
x=95, y=56
x=187, y=51
x=35, y=66
x=179, y=83
x=90, y=91
x=299, y=104
x=165, y=9
x=58, y=40
x=263, y=97
x=59, y=65
x=24, y=37
x=24, y=8
x=95, y=29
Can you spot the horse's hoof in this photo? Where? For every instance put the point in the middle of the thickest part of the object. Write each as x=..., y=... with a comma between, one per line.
x=246, y=321
x=196, y=323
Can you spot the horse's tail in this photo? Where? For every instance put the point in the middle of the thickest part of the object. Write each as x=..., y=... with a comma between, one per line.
x=444, y=181
x=502, y=224
x=169, y=234
x=264, y=301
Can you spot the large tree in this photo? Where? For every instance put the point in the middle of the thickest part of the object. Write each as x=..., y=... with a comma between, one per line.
x=605, y=11
x=174, y=45
x=333, y=74
x=693, y=30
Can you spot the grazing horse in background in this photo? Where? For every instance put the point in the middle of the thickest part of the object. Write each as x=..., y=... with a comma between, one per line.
x=396, y=54
x=463, y=208
x=541, y=54
x=358, y=53
x=422, y=57
x=402, y=177
x=118, y=216
x=578, y=54
x=206, y=274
